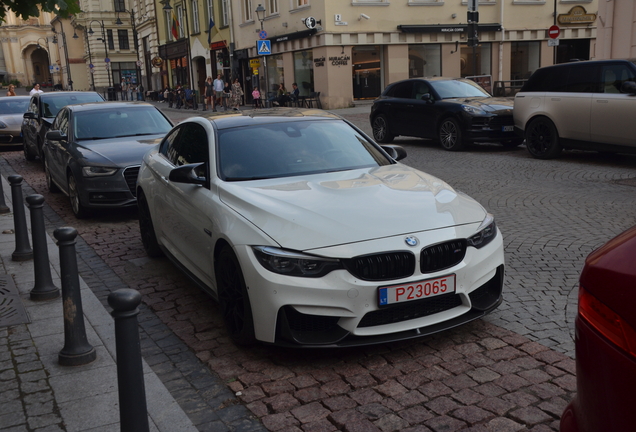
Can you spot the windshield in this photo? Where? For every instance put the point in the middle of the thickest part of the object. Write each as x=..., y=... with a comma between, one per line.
x=458, y=89
x=119, y=122
x=14, y=105
x=293, y=148
x=52, y=103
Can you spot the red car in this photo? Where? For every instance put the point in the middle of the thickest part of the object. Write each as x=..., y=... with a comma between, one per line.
x=606, y=341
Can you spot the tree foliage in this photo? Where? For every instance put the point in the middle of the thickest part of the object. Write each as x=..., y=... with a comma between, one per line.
x=31, y=8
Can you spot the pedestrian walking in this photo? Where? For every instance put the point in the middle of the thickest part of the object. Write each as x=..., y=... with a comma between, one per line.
x=209, y=92
x=218, y=91
x=256, y=98
x=130, y=89
x=227, y=94
x=11, y=91
x=124, y=89
x=35, y=89
x=237, y=95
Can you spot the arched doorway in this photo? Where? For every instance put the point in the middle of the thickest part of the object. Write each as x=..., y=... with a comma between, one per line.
x=40, y=63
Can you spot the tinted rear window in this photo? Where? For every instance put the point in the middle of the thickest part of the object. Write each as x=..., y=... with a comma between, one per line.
x=575, y=78
x=52, y=103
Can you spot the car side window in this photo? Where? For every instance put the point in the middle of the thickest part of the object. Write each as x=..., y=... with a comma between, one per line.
x=61, y=122
x=583, y=79
x=167, y=142
x=33, y=106
x=403, y=90
x=419, y=90
x=189, y=146
x=613, y=76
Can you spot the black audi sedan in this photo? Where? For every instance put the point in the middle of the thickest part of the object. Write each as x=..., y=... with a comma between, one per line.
x=453, y=111
x=93, y=151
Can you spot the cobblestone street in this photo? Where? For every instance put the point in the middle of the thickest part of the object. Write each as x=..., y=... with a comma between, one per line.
x=511, y=371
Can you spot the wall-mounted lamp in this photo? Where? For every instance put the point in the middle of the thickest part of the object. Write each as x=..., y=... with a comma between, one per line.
x=454, y=16
x=365, y=16
x=456, y=47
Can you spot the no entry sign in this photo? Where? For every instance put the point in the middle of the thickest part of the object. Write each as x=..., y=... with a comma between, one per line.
x=554, y=32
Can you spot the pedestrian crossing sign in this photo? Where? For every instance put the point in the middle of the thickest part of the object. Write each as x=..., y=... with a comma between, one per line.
x=264, y=47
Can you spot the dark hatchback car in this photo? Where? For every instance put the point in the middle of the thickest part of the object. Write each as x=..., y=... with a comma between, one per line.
x=606, y=341
x=453, y=111
x=43, y=107
x=93, y=152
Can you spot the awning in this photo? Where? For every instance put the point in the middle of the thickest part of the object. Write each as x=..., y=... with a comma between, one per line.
x=442, y=28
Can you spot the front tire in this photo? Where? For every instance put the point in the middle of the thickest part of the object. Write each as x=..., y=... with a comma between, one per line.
x=233, y=298
x=381, y=131
x=450, y=135
x=146, y=228
x=542, y=139
x=79, y=210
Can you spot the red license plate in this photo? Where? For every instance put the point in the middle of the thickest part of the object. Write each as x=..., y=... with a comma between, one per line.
x=416, y=290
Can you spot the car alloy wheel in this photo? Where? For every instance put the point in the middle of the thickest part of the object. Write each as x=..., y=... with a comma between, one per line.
x=78, y=209
x=450, y=135
x=52, y=187
x=542, y=139
x=146, y=228
x=233, y=298
x=381, y=130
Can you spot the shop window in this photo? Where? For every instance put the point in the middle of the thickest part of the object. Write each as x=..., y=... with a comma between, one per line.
x=478, y=62
x=425, y=60
x=524, y=59
x=304, y=71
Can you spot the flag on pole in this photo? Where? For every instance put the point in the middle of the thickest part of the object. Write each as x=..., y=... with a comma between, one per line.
x=213, y=30
x=175, y=26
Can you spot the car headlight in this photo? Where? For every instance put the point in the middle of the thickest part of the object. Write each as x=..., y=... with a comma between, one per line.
x=96, y=171
x=291, y=263
x=3, y=125
x=472, y=110
x=486, y=232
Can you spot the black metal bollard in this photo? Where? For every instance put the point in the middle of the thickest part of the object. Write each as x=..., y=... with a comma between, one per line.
x=44, y=288
x=23, y=251
x=3, y=204
x=133, y=412
x=77, y=351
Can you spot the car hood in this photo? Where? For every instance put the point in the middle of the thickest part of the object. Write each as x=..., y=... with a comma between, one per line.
x=337, y=208
x=12, y=120
x=121, y=152
x=487, y=104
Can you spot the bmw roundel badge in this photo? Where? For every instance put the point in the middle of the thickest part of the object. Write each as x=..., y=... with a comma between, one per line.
x=411, y=241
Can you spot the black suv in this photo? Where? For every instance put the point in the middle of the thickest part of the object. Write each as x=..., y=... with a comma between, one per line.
x=43, y=107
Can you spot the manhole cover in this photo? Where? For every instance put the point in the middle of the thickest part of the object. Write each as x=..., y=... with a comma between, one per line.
x=12, y=310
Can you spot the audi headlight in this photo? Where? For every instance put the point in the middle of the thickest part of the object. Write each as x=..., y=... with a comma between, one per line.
x=96, y=171
x=472, y=110
x=486, y=232
x=291, y=263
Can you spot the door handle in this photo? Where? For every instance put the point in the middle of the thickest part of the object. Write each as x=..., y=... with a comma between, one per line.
x=602, y=101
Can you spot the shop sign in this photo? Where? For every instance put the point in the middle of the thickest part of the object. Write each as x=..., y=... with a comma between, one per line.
x=295, y=35
x=157, y=61
x=342, y=60
x=320, y=61
x=217, y=45
x=255, y=63
x=461, y=28
x=577, y=15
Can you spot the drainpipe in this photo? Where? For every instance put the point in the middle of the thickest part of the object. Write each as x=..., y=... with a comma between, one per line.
x=503, y=38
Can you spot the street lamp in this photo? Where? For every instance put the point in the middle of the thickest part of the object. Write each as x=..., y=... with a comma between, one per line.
x=135, y=39
x=68, y=66
x=103, y=39
x=91, y=66
x=260, y=14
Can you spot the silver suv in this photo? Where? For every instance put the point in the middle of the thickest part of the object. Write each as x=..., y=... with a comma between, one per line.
x=588, y=105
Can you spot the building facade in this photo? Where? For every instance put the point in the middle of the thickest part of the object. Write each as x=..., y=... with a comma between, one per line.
x=616, y=29
x=352, y=50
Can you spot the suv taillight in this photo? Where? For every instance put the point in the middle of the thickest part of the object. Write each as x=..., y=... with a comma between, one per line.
x=607, y=322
